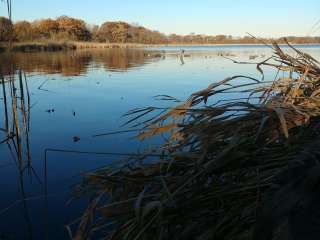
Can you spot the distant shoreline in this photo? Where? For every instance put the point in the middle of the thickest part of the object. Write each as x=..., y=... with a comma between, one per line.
x=52, y=46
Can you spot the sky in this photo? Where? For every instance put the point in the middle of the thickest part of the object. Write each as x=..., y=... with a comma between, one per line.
x=263, y=18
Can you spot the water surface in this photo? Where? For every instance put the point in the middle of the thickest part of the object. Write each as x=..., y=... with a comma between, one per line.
x=89, y=91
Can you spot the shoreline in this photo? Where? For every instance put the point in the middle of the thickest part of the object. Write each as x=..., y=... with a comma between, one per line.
x=52, y=46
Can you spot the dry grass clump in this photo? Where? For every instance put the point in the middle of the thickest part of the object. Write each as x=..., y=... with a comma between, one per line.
x=234, y=169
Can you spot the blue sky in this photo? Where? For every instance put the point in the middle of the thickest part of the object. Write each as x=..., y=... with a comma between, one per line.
x=264, y=18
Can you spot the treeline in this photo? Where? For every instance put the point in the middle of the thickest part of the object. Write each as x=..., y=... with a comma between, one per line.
x=227, y=39
x=66, y=28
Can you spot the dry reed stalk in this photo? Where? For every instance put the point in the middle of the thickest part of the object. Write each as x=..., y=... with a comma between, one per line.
x=18, y=135
x=9, y=10
x=26, y=118
x=15, y=117
x=22, y=102
x=5, y=104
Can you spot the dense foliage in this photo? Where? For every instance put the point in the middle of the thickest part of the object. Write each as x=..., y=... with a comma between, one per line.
x=67, y=28
x=124, y=32
x=5, y=29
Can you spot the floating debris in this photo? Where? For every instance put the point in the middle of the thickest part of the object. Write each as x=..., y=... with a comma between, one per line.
x=76, y=139
x=50, y=110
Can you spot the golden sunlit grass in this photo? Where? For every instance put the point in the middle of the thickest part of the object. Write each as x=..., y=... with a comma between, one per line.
x=50, y=45
x=231, y=169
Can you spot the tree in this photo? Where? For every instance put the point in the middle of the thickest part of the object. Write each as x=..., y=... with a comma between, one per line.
x=94, y=31
x=122, y=32
x=114, y=32
x=48, y=28
x=6, y=29
x=73, y=28
x=23, y=31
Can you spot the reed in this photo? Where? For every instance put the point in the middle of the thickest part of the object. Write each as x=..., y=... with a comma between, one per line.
x=5, y=103
x=19, y=117
x=18, y=135
x=51, y=46
x=9, y=11
x=15, y=117
x=230, y=169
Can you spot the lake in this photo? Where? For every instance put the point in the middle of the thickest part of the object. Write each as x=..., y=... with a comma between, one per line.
x=79, y=94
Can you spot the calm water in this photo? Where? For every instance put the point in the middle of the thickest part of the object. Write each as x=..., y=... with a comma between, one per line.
x=89, y=91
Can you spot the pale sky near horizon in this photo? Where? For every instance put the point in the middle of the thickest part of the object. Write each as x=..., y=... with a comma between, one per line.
x=264, y=18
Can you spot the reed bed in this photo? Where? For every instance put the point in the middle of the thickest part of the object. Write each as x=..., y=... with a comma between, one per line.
x=230, y=169
x=98, y=45
x=52, y=46
x=16, y=105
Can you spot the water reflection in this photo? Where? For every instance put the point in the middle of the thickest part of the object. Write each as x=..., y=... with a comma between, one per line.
x=16, y=104
x=74, y=63
x=36, y=183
